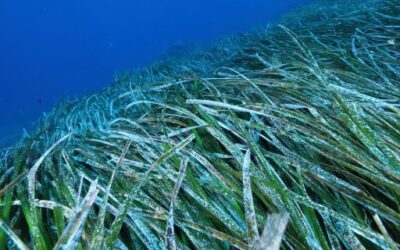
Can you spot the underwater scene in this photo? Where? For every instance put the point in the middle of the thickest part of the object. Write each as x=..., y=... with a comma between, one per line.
x=200, y=124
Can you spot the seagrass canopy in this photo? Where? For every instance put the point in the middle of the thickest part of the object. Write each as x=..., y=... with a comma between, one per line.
x=285, y=137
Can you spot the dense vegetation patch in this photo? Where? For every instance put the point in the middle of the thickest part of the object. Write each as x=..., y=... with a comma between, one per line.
x=297, y=123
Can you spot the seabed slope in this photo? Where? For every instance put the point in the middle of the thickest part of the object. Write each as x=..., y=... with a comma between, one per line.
x=298, y=123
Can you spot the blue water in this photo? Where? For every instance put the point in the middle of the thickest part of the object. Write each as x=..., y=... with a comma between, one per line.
x=50, y=49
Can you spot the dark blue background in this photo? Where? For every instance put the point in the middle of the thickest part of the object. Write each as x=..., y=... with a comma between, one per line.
x=51, y=48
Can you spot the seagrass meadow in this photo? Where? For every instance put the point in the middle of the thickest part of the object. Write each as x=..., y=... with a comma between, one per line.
x=287, y=137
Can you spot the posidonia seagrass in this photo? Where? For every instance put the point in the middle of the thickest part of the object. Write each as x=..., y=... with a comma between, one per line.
x=286, y=137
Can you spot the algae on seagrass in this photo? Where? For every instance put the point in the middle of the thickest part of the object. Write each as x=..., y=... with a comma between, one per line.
x=300, y=120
